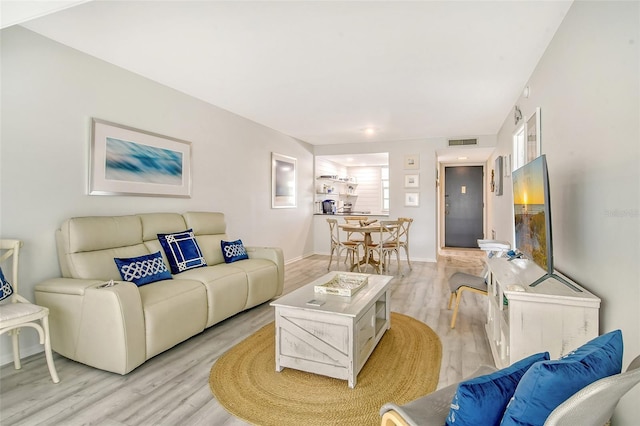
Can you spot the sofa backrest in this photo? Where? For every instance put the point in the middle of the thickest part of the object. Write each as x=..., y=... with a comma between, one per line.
x=209, y=229
x=88, y=245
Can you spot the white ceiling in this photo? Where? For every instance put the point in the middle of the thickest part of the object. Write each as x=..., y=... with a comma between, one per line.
x=323, y=71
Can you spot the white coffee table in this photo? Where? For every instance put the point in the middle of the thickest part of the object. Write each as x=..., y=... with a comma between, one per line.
x=336, y=338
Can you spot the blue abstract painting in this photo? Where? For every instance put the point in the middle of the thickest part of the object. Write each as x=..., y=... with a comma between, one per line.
x=134, y=162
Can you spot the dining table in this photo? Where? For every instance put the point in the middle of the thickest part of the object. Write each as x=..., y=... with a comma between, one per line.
x=366, y=230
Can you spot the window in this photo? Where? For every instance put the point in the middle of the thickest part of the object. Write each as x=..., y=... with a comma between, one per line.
x=384, y=179
x=519, y=149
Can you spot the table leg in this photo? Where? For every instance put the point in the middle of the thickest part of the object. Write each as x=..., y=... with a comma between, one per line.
x=369, y=259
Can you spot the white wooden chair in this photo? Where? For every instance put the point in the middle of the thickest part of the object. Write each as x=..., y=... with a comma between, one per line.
x=19, y=312
x=339, y=246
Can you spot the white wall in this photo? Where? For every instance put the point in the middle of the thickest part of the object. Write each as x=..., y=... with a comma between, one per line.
x=49, y=94
x=587, y=85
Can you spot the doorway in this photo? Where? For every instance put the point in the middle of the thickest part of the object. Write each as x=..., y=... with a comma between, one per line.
x=463, y=206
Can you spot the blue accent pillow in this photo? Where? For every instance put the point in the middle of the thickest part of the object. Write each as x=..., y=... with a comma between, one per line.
x=182, y=251
x=143, y=270
x=548, y=384
x=233, y=250
x=482, y=400
x=5, y=287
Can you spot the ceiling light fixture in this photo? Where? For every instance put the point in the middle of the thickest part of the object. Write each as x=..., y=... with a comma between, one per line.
x=463, y=158
x=369, y=131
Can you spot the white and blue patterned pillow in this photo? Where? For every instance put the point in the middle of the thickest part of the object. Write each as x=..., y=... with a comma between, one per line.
x=182, y=251
x=5, y=287
x=143, y=270
x=233, y=250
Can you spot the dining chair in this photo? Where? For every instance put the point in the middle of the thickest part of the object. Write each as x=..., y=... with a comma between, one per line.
x=403, y=236
x=338, y=246
x=355, y=236
x=19, y=312
x=385, y=244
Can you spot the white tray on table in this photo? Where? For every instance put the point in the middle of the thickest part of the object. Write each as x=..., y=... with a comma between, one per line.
x=343, y=284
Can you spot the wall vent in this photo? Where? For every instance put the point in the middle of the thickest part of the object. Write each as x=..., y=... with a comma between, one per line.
x=459, y=142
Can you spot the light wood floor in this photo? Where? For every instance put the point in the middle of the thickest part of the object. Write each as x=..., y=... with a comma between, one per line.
x=173, y=389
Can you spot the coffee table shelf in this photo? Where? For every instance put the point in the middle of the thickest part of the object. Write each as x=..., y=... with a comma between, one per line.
x=336, y=335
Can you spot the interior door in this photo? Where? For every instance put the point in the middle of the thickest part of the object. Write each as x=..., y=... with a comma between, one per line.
x=463, y=201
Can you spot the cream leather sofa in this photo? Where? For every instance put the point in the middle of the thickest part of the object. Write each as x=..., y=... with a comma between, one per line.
x=118, y=328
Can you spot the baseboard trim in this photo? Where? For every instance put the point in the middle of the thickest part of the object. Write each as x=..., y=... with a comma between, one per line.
x=24, y=353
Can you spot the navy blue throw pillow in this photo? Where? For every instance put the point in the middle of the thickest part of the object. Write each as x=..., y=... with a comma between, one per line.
x=143, y=270
x=182, y=251
x=5, y=287
x=233, y=251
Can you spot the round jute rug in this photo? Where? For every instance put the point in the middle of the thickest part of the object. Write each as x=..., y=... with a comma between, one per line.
x=404, y=366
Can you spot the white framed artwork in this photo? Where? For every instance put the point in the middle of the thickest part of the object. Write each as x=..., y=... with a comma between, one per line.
x=412, y=162
x=411, y=199
x=128, y=161
x=283, y=181
x=411, y=181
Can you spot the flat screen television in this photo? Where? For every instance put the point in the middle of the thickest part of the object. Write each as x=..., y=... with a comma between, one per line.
x=532, y=217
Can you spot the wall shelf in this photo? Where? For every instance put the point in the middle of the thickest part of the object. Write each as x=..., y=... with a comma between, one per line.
x=339, y=189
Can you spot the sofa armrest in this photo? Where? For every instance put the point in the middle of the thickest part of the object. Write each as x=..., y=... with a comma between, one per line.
x=273, y=254
x=67, y=286
x=99, y=326
x=429, y=410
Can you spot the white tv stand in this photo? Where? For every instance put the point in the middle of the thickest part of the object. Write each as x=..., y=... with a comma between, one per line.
x=523, y=320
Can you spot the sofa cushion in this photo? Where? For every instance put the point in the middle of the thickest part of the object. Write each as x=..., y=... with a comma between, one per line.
x=143, y=270
x=483, y=399
x=226, y=286
x=182, y=251
x=262, y=280
x=233, y=251
x=173, y=312
x=548, y=384
x=5, y=287
x=210, y=246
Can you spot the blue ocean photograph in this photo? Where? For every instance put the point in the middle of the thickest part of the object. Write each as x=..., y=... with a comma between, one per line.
x=134, y=162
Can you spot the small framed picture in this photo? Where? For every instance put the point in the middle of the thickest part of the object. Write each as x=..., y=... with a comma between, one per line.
x=411, y=199
x=412, y=162
x=507, y=165
x=411, y=181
